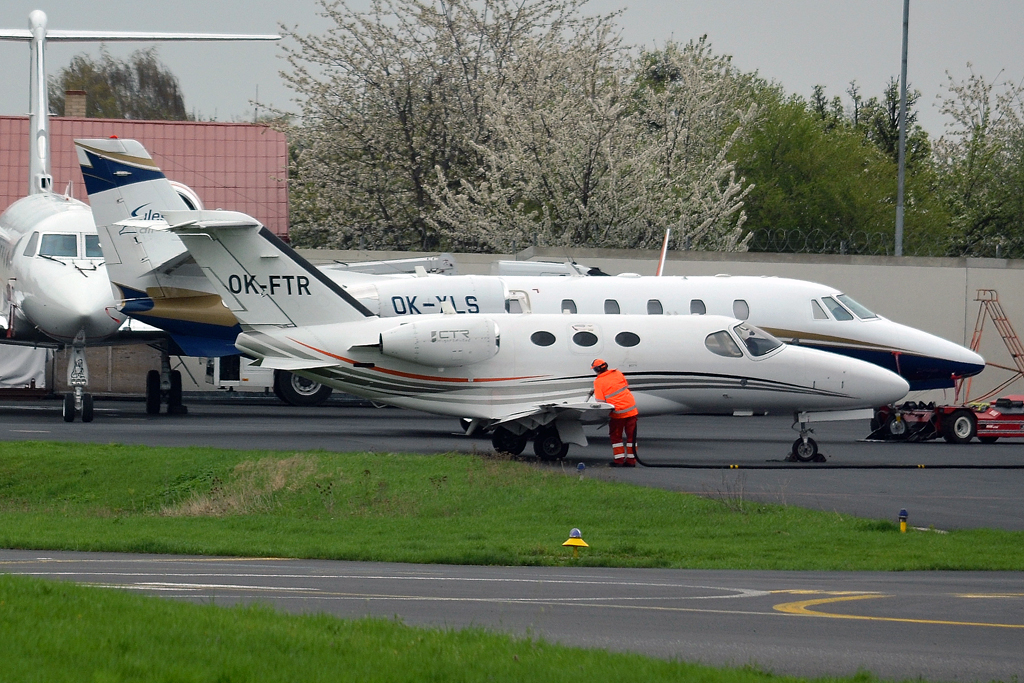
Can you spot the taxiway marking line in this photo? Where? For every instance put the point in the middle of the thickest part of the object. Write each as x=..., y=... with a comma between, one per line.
x=801, y=609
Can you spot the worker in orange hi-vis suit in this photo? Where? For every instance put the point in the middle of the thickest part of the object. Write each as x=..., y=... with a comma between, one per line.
x=610, y=386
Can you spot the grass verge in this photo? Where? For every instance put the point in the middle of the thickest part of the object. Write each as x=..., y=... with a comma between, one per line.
x=451, y=508
x=58, y=632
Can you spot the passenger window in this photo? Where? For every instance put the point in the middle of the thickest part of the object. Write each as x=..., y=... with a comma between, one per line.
x=568, y=306
x=584, y=339
x=59, y=245
x=722, y=344
x=30, y=248
x=837, y=311
x=654, y=307
x=697, y=307
x=740, y=309
x=817, y=311
x=627, y=339
x=611, y=307
x=92, y=247
x=542, y=338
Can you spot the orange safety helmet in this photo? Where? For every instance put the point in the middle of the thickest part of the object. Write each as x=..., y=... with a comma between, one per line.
x=599, y=365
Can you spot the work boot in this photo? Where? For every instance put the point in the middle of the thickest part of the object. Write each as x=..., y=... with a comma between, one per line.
x=630, y=462
x=618, y=463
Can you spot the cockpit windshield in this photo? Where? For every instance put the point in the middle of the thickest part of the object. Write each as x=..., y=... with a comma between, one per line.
x=758, y=342
x=64, y=246
x=858, y=309
x=92, y=247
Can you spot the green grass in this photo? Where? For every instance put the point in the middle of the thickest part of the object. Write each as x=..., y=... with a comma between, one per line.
x=57, y=632
x=450, y=508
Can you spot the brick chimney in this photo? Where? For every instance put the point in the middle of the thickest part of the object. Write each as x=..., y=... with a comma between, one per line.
x=74, y=103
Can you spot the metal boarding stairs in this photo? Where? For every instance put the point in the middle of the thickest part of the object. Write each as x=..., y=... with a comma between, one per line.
x=990, y=308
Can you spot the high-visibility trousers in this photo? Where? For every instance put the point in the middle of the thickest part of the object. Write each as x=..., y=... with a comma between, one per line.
x=622, y=433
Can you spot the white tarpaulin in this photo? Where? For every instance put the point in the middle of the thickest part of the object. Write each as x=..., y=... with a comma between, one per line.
x=23, y=366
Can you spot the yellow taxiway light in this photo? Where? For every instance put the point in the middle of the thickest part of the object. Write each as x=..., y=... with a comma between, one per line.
x=576, y=541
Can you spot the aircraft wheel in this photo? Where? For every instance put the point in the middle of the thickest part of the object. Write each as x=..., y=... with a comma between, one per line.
x=547, y=445
x=895, y=427
x=960, y=427
x=69, y=407
x=805, y=451
x=86, y=407
x=988, y=439
x=174, y=406
x=299, y=391
x=504, y=441
x=153, y=392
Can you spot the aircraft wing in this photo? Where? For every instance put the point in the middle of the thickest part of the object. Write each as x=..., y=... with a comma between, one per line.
x=568, y=418
x=291, y=364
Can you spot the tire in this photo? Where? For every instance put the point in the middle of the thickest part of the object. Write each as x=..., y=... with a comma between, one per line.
x=988, y=439
x=153, y=392
x=547, y=445
x=805, y=451
x=505, y=441
x=960, y=426
x=299, y=391
x=895, y=428
x=69, y=407
x=174, y=405
x=87, y=414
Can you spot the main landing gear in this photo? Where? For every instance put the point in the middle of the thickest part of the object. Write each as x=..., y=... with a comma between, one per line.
x=77, y=401
x=164, y=385
x=547, y=444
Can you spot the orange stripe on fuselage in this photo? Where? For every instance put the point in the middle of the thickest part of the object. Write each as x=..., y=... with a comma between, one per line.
x=410, y=375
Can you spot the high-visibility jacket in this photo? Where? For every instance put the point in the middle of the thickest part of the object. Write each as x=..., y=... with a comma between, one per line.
x=611, y=387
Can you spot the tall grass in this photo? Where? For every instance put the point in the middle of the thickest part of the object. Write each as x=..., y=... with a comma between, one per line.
x=447, y=508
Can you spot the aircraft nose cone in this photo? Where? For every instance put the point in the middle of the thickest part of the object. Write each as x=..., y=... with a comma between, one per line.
x=877, y=385
x=71, y=301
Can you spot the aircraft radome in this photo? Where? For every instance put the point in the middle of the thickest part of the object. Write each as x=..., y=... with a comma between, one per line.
x=525, y=376
x=56, y=291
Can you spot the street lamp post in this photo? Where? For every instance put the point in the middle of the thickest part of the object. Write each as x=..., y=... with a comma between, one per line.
x=903, y=133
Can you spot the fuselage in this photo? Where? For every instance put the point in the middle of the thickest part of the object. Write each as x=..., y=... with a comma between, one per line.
x=675, y=365
x=55, y=281
x=796, y=311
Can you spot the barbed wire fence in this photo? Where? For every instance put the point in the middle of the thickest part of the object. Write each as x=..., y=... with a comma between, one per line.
x=880, y=244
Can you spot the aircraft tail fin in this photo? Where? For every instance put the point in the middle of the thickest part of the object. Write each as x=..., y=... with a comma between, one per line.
x=260, y=278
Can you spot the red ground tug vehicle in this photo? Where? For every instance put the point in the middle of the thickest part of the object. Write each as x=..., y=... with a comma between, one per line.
x=1003, y=417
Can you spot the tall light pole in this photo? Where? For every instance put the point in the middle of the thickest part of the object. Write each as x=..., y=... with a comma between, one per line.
x=903, y=133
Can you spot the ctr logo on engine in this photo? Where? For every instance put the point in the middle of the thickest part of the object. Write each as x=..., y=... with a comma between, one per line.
x=449, y=336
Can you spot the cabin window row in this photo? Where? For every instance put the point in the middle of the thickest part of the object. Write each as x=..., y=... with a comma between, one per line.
x=740, y=308
x=584, y=338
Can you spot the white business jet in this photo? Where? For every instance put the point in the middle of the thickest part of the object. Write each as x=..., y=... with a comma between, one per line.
x=56, y=291
x=525, y=376
x=159, y=284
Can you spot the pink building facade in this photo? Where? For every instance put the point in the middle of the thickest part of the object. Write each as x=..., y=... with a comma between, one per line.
x=237, y=166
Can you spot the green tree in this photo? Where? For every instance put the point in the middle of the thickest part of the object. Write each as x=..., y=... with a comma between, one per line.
x=821, y=185
x=139, y=88
x=981, y=167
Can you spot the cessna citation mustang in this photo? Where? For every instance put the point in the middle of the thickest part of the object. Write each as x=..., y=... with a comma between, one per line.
x=159, y=284
x=56, y=290
x=527, y=376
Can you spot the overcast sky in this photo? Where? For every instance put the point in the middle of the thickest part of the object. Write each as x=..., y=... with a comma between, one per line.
x=799, y=43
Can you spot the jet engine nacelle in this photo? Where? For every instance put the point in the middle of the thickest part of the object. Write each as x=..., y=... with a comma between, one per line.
x=448, y=341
